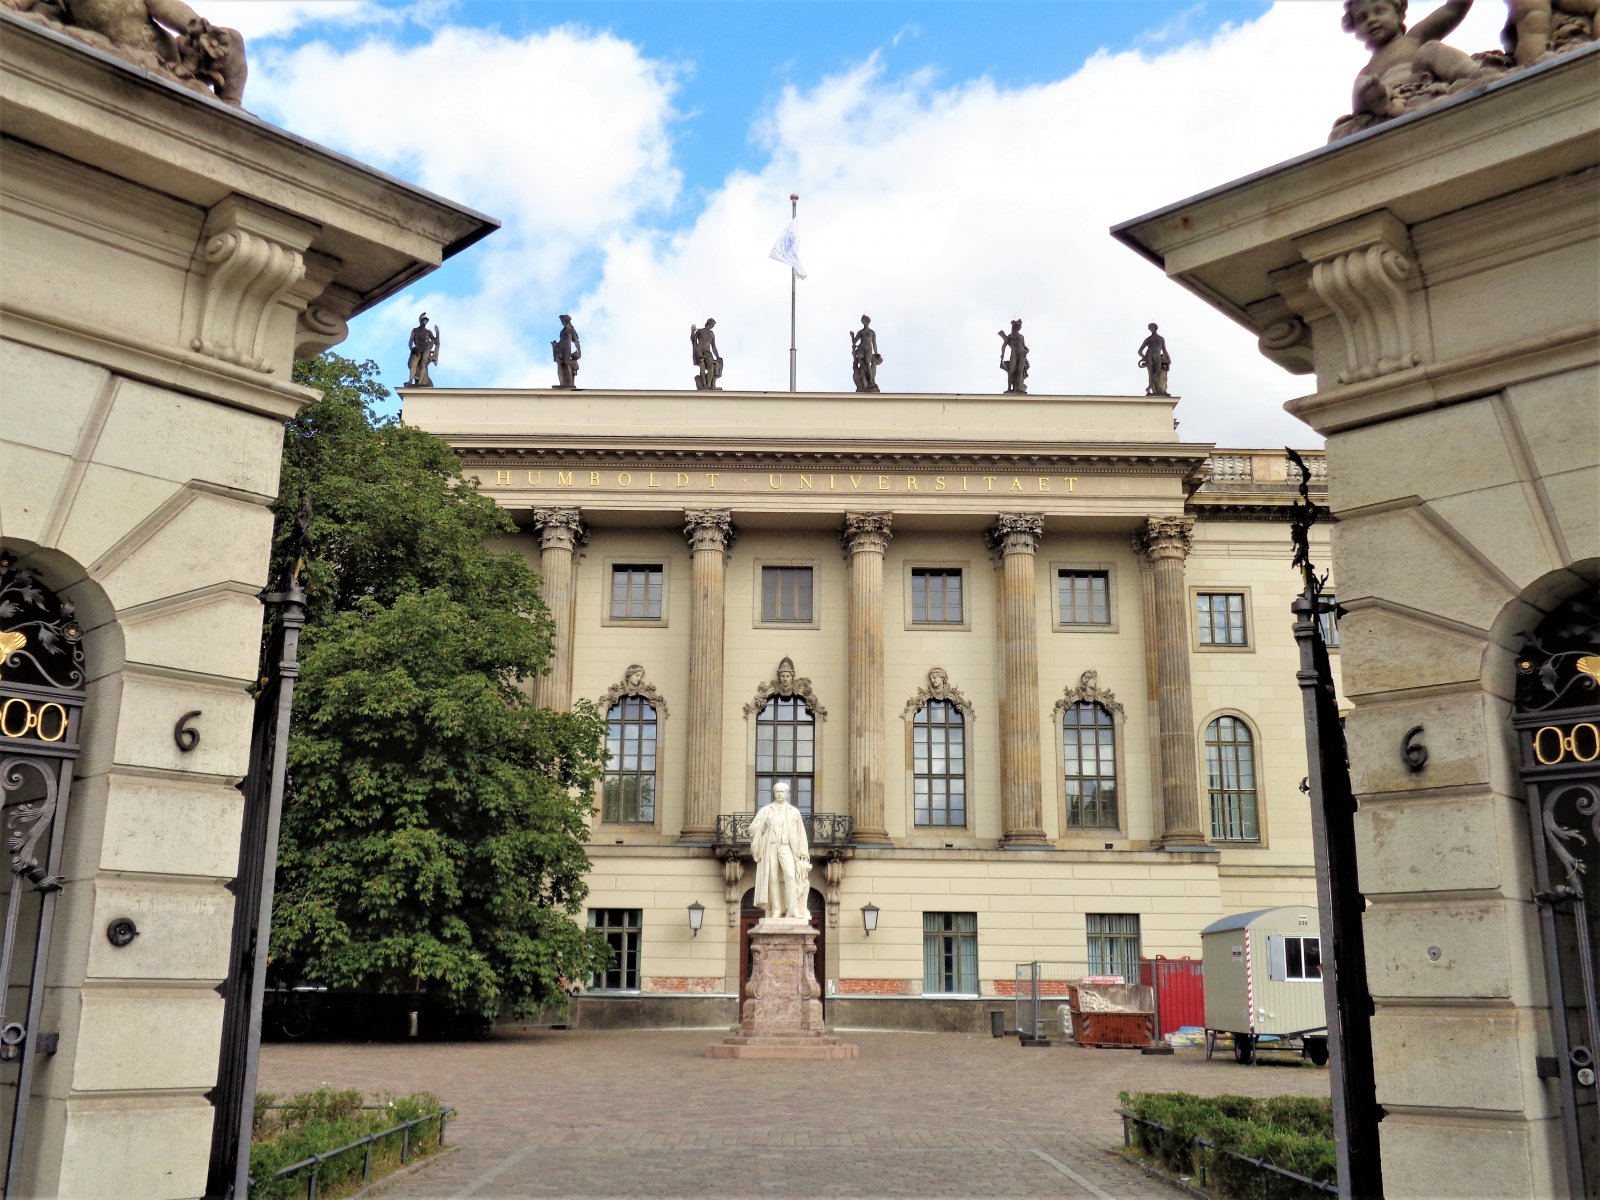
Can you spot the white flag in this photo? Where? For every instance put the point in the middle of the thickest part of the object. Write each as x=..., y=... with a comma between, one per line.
x=785, y=250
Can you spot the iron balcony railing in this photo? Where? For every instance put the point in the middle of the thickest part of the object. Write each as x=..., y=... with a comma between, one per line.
x=824, y=830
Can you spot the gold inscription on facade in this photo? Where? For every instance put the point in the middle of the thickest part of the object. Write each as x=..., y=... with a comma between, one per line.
x=1553, y=745
x=784, y=481
x=20, y=717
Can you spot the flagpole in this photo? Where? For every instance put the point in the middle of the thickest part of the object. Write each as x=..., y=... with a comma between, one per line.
x=794, y=212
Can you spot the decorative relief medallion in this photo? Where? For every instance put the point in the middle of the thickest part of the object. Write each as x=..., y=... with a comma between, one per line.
x=788, y=685
x=1089, y=691
x=939, y=688
x=633, y=684
x=560, y=528
x=866, y=532
x=709, y=529
x=1015, y=533
x=1165, y=537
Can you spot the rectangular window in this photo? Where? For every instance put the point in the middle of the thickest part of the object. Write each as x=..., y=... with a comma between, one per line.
x=636, y=591
x=936, y=596
x=950, y=952
x=786, y=594
x=1222, y=619
x=1294, y=958
x=1083, y=597
x=623, y=929
x=1330, y=622
x=939, y=764
x=1114, y=944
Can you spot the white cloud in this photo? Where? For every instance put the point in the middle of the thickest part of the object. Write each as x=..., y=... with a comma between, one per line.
x=261, y=19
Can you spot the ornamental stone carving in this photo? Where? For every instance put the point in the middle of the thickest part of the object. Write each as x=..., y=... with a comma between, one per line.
x=251, y=258
x=1089, y=691
x=1165, y=537
x=709, y=529
x=786, y=684
x=560, y=528
x=939, y=688
x=866, y=532
x=1015, y=533
x=633, y=684
x=1361, y=272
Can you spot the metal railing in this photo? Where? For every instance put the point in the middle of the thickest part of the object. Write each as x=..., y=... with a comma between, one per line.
x=1262, y=1166
x=314, y=1164
x=826, y=830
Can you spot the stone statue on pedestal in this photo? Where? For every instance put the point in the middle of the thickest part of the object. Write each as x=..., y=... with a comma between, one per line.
x=1014, y=359
x=1153, y=357
x=566, y=350
x=783, y=857
x=707, y=361
x=864, y=356
x=424, y=350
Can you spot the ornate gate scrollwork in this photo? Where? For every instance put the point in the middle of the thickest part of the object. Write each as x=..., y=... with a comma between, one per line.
x=1558, y=735
x=42, y=679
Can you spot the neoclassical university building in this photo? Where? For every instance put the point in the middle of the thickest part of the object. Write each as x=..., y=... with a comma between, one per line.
x=1026, y=662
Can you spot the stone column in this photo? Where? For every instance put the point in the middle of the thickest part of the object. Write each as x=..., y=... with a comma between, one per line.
x=561, y=533
x=865, y=537
x=1163, y=544
x=1014, y=539
x=710, y=533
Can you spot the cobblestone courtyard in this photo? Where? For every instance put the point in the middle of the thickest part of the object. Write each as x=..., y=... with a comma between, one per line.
x=573, y=1113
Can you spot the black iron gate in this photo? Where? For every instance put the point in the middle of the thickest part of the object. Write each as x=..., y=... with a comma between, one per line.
x=1348, y=999
x=1558, y=735
x=42, y=680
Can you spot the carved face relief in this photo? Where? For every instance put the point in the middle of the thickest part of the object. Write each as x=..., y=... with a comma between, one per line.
x=633, y=676
x=938, y=681
x=1376, y=22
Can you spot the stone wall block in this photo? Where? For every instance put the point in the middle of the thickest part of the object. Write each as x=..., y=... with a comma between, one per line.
x=1572, y=495
x=1444, y=452
x=184, y=931
x=1401, y=557
x=158, y=432
x=151, y=706
x=216, y=634
x=32, y=479
x=105, y=505
x=1444, y=843
x=1509, y=1158
x=1453, y=949
x=1453, y=731
x=198, y=540
x=1454, y=1058
x=147, y=1038
x=1503, y=525
x=1556, y=419
x=1386, y=651
x=72, y=387
x=171, y=826
x=154, y=1148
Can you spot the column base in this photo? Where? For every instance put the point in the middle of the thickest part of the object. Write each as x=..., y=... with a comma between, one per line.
x=706, y=835
x=871, y=837
x=1027, y=840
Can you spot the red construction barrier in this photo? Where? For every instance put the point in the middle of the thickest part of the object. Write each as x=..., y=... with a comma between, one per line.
x=1180, y=988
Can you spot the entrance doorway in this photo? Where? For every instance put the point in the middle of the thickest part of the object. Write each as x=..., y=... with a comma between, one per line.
x=749, y=914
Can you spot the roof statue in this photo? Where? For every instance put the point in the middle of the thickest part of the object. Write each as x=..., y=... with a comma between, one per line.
x=1411, y=67
x=1014, y=359
x=1153, y=357
x=566, y=350
x=165, y=36
x=422, y=351
x=707, y=361
x=864, y=356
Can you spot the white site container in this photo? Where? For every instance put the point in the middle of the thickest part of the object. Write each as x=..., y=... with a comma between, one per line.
x=1263, y=973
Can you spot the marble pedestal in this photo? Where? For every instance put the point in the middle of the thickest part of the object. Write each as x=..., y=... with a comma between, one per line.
x=783, y=1016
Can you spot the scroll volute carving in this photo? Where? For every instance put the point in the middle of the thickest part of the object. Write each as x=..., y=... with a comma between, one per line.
x=250, y=262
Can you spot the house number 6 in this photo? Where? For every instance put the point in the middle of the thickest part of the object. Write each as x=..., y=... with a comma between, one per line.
x=185, y=737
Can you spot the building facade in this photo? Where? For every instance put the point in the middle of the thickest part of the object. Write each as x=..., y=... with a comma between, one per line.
x=1026, y=662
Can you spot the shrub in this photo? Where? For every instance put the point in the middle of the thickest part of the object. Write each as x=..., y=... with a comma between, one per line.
x=1291, y=1132
x=316, y=1122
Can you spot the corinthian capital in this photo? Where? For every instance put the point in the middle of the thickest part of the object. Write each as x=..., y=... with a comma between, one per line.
x=1015, y=533
x=560, y=528
x=865, y=532
x=1165, y=537
x=709, y=528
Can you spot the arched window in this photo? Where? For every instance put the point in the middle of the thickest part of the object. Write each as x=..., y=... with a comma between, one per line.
x=786, y=740
x=1089, y=757
x=1231, y=778
x=628, y=794
x=939, y=764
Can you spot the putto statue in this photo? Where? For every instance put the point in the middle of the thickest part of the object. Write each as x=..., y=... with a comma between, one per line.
x=1153, y=357
x=783, y=857
x=424, y=352
x=166, y=36
x=1014, y=359
x=566, y=350
x=864, y=356
x=1409, y=68
x=707, y=362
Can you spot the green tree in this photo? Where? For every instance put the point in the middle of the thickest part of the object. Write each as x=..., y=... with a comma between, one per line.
x=434, y=819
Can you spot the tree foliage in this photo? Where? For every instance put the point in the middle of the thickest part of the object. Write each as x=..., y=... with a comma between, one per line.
x=434, y=819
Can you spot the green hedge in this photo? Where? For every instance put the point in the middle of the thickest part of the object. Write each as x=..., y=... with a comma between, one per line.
x=292, y=1130
x=1291, y=1132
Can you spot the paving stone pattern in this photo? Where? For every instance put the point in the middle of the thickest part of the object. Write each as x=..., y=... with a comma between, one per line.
x=635, y=1114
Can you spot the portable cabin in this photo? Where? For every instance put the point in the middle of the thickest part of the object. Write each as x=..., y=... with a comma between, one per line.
x=1263, y=973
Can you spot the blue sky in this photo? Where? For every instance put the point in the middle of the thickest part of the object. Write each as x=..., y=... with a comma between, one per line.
x=958, y=163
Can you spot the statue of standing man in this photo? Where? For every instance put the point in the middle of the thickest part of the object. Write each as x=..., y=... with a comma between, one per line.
x=567, y=350
x=1153, y=357
x=783, y=857
x=864, y=356
x=424, y=351
x=1014, y=359
x=707, y=362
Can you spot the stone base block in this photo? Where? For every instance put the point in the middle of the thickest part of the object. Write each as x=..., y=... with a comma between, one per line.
x=742, y=1046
